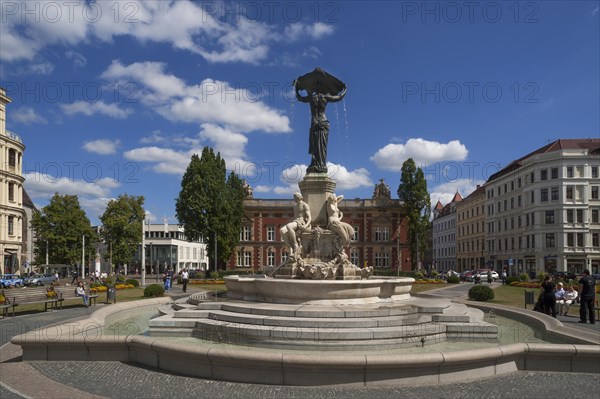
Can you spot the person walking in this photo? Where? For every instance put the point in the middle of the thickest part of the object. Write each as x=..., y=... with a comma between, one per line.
x=504, y=277
x=548, y=289
x=185, y=278
x=587, y=294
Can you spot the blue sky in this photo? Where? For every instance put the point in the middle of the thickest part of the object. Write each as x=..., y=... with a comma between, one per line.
x=114, y=97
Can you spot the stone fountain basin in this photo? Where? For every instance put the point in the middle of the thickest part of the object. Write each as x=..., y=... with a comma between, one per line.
x=318, y=292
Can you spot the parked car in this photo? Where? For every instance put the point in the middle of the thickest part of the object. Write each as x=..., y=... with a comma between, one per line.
x=39, y=279
x=467, y=275
x=11, y=280
x=483, y=275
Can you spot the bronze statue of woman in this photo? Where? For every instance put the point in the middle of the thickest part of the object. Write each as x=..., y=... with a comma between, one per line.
x=321, y=88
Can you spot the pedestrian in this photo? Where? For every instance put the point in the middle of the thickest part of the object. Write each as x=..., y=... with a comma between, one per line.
x=75, y=276
x=587, y=294
x=503, y=276
x=167, y=280
x=185, y=278
x=489, y=276
x=548, y=289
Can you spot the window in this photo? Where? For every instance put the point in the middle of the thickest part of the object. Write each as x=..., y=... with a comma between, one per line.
x=544, y=195
x=519, y=182
x=594, y=215
x=570, y=240
x=579, y=214
x=245, y=233
x=354, y=258
x=570, y=218
x=570, y=192
x=284, y=256
x=512, y=203
x=195, y=253
x=11, y=191
x=595, y=240
x=505, y=205
x=243, y=259
x=270, y=233
x=382, y=234
x=382, y=260
x=550, y=240
x=544, y=174
x=531, y=178
x=569, y=171
x=519, y=221
x=11, y=225
x=519, y=201
x=554, y=173
x=532, y=196
x=355, y=236
x=12, y=156
x=271, y=258
x=595, y=192
x=594, y=172
x=580, y=242
x=549, y=217
x=554, y=194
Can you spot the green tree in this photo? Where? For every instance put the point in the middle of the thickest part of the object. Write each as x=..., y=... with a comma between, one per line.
x=210, y=203
x=62, y=223
x=122, y=226
x=413, y=192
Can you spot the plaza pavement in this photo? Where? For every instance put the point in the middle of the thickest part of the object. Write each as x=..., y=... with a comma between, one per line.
x=83, y=380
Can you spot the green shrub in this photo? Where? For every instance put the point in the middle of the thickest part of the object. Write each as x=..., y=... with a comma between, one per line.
x=154, y=290
x=434, y=274
x=120, y=279
x=214, y=275
x=541, y=276
x=109, y=281
x=419, y=276
x=453, y=280
x=523, y=277
x=512, y=279
x=133, y=282
x=481, y=293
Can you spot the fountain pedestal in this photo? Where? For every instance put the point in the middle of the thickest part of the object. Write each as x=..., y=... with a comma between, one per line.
x=315, y=188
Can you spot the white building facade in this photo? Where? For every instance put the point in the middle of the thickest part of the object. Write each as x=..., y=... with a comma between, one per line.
x=167, y=247
x=542, y=211
x=11, y=195
x=444, y=235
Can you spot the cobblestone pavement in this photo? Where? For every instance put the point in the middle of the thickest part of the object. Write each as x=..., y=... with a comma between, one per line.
x=121, y=380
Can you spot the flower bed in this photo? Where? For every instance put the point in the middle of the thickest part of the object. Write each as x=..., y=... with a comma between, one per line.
x=196, y=281
x=429, y=281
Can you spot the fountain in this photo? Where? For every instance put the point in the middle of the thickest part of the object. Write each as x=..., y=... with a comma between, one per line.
x=317, y=319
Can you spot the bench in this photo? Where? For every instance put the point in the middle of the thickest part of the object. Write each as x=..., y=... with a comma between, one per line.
x=26, y=296
x=69, y=293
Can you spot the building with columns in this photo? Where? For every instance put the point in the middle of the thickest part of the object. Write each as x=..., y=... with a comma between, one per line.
x=380, y=232
x=11, y=194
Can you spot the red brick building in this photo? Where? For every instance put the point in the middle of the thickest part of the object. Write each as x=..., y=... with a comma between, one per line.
x=380, y=238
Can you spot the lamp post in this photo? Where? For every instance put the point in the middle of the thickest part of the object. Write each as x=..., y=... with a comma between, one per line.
x=46, y=252
x=82, y=257
x=143, y=255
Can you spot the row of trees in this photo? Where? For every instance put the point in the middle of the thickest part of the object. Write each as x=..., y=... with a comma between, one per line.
x=209, y=206
x=61, y=225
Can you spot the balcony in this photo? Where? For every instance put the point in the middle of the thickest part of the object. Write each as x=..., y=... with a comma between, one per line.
x=13, y=136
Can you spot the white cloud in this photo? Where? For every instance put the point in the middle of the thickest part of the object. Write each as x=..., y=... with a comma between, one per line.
x=42, y=68
x=94, y=207
x=211, y=101
x=423, y=152
x=230, y=144
x=595, y=11
x=262, y=189
x=298, y=30
x=446, y=191
x=154, y=138
x=165, y=160
x=27, y=116
x=345, y=179
x=43, y=185
x=78, y=59
x=184, y=25
x=102, y=146
x=99, y=107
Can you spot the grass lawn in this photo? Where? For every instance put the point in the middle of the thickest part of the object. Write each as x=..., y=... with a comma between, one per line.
x=416, y=288
x=513, y=296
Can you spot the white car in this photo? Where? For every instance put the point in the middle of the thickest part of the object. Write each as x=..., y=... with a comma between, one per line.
x=483, y=275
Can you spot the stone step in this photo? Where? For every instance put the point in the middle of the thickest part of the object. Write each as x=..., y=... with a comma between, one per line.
x=209, y=329
x=347, y=311
x=308, y=322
